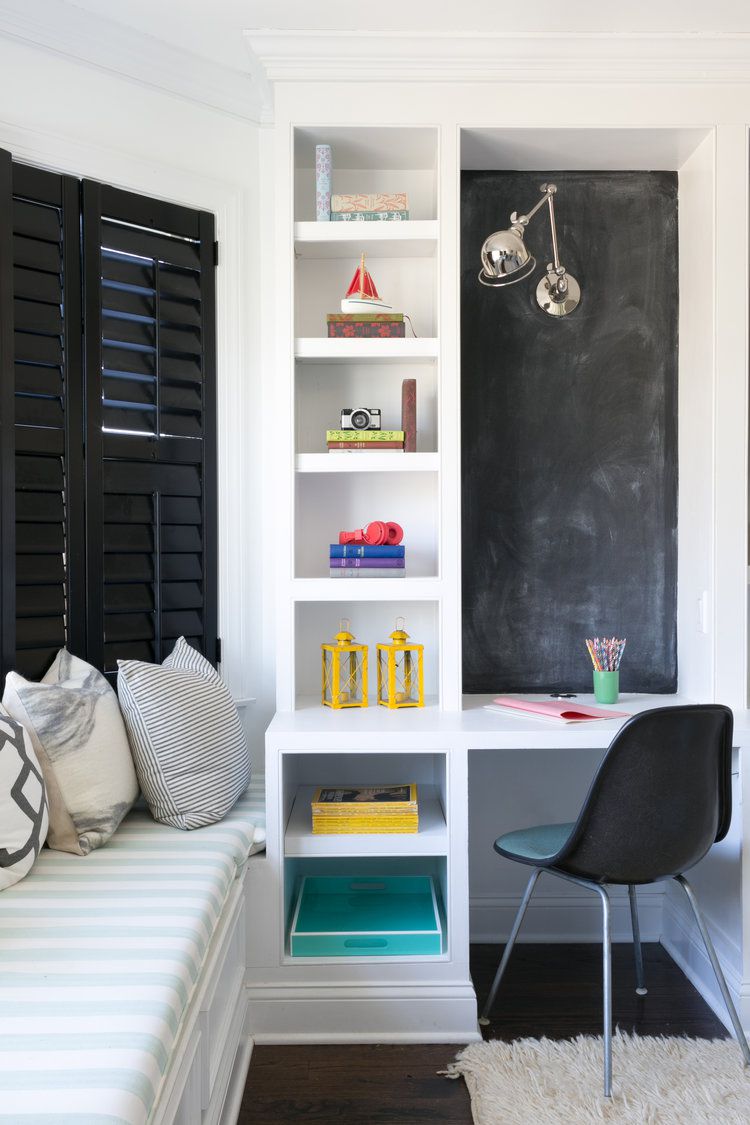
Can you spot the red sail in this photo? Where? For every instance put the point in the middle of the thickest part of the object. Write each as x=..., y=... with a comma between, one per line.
x=362, y=285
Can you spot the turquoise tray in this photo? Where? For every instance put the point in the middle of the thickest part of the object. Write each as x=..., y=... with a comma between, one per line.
x=365, y=916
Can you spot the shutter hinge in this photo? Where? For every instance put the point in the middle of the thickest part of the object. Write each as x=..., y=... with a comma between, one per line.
x=216, y=253
x=218, y=650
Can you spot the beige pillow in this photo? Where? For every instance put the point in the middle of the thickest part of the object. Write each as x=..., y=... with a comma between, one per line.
x=77, y=732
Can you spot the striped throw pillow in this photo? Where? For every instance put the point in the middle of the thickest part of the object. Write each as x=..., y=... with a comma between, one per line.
x=188, y=744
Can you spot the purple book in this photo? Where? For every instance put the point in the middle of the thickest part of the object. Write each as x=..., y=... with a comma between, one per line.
x=366, y=564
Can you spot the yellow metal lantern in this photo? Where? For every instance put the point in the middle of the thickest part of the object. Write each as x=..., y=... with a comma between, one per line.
x=400, y=671
x=344, y=670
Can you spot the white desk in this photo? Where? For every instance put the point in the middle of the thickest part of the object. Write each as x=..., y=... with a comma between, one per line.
x=387, y=999
x=474, y=727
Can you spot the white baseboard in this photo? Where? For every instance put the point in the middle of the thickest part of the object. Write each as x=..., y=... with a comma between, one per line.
x=295, y=1018
x=236, y=1088
x=553, y=918
x=682, y=940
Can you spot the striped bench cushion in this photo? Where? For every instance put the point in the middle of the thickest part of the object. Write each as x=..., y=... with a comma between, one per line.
x=99, y=957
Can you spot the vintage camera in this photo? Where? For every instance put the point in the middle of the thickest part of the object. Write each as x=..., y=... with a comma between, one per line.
x=360, y=418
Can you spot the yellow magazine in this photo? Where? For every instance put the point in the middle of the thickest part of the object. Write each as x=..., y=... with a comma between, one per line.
x=365, y=800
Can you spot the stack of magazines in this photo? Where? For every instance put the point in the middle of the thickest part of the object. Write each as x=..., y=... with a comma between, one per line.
x=365, y=810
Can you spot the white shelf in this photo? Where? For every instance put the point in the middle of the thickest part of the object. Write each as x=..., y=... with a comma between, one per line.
x=431, y=839
x=366, y=589
x=363, y=350
x=362, y=461
x=415, y=238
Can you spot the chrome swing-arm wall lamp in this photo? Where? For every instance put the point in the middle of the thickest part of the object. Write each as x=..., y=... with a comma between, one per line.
x=505, y=260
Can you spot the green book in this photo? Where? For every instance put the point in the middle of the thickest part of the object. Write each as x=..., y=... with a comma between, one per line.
x=369, y=216
x=364, y=435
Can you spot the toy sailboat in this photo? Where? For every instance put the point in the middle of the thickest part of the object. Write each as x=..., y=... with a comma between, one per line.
x=362, y=296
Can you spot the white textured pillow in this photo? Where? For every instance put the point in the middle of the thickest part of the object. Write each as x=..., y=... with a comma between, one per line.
x=23, y=803
x=187, y=740
x=80, y=740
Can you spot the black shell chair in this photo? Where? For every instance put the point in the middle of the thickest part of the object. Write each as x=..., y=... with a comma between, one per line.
x=660, y=798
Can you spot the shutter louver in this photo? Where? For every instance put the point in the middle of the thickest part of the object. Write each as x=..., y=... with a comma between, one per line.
x=49, y=517
x=149, y=308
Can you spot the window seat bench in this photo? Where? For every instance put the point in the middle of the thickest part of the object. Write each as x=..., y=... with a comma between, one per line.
x=122, y=997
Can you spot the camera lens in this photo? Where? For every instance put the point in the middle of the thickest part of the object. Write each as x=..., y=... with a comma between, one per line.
x=360, y=420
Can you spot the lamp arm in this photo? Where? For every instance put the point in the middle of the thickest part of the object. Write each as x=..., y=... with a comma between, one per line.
x=548, y=191
x=553, y=228
x=517, y=220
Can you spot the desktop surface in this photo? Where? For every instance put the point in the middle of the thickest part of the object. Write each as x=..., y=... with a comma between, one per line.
x=475, y=726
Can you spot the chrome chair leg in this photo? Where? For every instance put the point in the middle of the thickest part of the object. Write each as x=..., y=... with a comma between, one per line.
x=738, y=1030
x=606, y=967
x=639, y=977
x=607, y=988
x=484, y=1018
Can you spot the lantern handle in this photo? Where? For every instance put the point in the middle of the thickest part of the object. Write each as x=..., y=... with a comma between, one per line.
x=400, y=623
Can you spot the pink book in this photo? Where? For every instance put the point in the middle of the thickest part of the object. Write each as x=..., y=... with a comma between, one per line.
x=559, y=710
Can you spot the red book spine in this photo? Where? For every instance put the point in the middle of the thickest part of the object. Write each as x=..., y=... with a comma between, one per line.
x=409, y=414
x=367, y=328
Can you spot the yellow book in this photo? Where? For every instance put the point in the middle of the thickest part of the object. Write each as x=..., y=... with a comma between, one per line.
x=341, y=821
x=365, y=830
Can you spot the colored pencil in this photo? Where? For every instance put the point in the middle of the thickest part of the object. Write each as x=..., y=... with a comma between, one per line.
x=606, y=653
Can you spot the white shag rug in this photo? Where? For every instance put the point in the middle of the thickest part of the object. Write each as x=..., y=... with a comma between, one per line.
x=656, y=1081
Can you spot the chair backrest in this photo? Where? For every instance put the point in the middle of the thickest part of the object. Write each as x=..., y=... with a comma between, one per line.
x=660, y=798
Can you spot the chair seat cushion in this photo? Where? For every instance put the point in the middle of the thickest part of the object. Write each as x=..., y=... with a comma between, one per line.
x=534, y=845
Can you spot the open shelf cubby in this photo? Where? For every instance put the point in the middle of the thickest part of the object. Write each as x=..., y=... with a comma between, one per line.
x=390, y=158
x=370, y=622
x=330, y=501
x=365, y=867
x=304, y=773
x=407, y=284
x=322, y=391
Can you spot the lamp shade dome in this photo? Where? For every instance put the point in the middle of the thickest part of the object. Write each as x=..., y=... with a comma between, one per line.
x=505, y=258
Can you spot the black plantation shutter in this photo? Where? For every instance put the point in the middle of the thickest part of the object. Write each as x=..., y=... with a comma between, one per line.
x=150, y=426
x=7, y=474
x=48, y=386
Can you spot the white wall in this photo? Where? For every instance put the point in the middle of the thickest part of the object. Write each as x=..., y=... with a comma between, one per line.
x=88, y=122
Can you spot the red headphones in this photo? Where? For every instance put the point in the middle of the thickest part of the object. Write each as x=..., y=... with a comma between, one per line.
x=375, y=534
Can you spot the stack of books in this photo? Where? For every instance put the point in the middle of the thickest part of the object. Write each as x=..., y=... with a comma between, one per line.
x=375, y=206
x=364, y=324
x=339, y=441
x=365, y=810
x=359, y=560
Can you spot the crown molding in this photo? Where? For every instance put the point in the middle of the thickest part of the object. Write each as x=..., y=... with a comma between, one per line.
x=418, y=56
x=96, y=41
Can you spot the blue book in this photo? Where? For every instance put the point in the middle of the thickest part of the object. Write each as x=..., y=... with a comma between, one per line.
x=363, y=551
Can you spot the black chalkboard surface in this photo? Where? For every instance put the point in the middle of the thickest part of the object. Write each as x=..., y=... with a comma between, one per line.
x=569, y=436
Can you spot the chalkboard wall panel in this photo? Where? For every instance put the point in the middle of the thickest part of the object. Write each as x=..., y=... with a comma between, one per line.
x=569, y=429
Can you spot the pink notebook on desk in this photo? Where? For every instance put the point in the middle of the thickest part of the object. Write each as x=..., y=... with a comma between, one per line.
x=559, y=710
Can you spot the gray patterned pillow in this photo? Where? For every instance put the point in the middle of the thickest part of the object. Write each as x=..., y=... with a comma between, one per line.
x=80, y=740
x=23, y=804
x=187, y=739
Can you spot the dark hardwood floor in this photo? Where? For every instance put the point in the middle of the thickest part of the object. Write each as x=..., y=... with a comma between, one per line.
x=552, y=990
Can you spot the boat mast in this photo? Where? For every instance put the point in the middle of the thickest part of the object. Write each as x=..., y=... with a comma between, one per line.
x=362, y=276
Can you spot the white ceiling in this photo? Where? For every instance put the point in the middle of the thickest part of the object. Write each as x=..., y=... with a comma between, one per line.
x=213, y=28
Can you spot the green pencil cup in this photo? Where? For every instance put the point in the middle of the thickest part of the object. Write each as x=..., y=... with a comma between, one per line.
x=606, y=686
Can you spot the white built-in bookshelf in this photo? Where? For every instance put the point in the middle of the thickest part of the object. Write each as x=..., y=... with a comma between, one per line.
x=329, y=492
x=322, y=493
